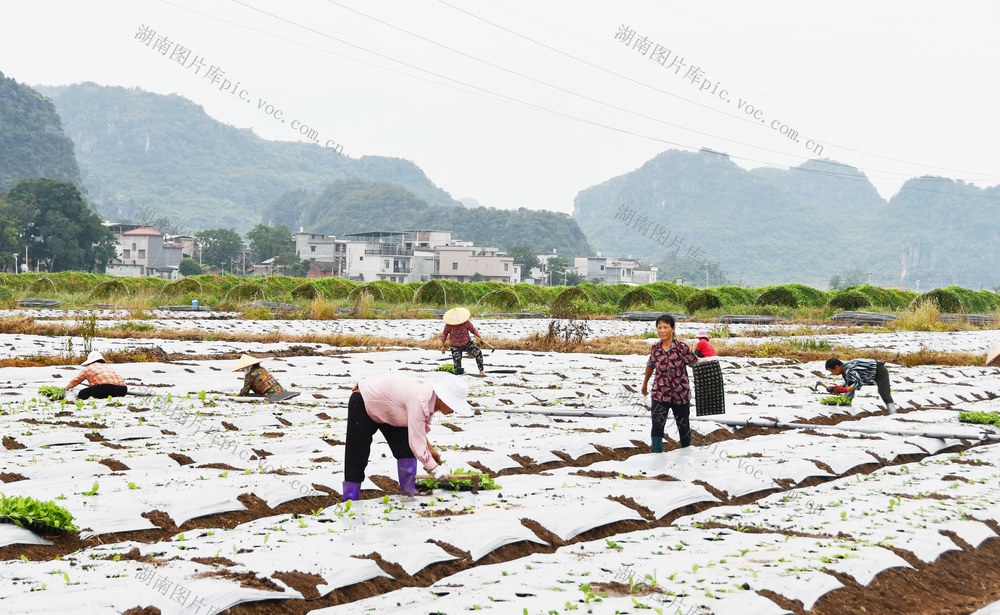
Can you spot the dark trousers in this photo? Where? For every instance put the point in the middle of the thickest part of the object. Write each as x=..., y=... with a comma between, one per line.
x=477, y=354
x=882, y=382
x=681, y=413
x=103, y=391
x=360, y=429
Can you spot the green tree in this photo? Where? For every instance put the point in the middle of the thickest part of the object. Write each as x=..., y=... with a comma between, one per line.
x=573, y=278
x=835, y=283
x=11, y=227
x=60, y=228
x=189, y=266
x=289, y=264
x=556, y=268
x=219, y=247
x=270, y=241
x=526, y=258
x=477, y=277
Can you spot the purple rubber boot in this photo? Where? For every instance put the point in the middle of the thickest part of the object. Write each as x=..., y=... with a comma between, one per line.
x=407, y=470
x=352, y=491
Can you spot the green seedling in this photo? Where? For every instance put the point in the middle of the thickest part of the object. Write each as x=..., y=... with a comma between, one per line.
x=22, y=510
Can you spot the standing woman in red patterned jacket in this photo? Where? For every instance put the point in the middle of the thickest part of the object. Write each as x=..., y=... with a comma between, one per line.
x=458, y=327
x=669, y=359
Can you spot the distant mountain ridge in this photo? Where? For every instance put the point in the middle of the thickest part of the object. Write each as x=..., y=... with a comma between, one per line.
x=32, y=142
x=138, y=149
x=804, y=224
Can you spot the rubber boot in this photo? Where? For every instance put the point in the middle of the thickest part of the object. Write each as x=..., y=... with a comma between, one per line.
x=891, y=408
x=657, y=445
x=407, y=471
x=686, y=441
x=352, y=491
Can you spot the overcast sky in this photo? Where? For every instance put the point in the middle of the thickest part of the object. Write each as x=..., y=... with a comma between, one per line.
x=535, y=101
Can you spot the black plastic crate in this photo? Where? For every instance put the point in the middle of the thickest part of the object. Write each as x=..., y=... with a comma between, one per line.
x=709, y=389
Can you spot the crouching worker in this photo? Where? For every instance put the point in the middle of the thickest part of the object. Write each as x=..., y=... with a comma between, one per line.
x=104, y=381
x=457, y=326
x=256, y=378
x=401, y=408
x=859, y=372
x=669, y=359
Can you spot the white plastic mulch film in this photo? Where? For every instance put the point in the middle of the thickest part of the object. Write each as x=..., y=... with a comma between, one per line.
x=197, y=458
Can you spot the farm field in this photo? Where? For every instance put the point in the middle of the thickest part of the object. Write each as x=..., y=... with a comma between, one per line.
x=189, y=501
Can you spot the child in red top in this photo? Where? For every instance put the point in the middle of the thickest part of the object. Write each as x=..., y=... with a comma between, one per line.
x=704, y=347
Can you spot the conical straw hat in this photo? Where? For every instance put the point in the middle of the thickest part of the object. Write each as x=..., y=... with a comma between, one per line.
x=245, y=361
x=456, y=316
x=993, y=356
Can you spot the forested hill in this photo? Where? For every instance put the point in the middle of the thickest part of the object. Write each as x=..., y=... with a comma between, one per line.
x=32, y=143
x=804, y=224
x=164, y=153
x=354, y=205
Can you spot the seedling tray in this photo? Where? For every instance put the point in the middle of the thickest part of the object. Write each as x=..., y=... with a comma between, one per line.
x=34, y=526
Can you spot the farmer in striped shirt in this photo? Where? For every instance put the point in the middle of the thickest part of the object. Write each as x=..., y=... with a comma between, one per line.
x=457, y=326
x=104, y=381
x=859, y=372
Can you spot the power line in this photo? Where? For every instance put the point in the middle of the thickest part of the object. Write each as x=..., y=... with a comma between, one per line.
x=611, y=72
x=506, y=98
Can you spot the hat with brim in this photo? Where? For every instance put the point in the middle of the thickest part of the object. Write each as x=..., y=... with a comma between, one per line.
x=93, y=357
x=246, y=361
x=452, y=391
x=702, y=334
x=456, y=316
x=993, y=356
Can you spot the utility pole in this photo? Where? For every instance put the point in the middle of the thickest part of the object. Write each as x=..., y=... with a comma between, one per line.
x=15, y=262
x=869, y=273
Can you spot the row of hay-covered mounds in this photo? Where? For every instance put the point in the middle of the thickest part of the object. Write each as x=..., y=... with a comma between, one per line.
x=448, y=293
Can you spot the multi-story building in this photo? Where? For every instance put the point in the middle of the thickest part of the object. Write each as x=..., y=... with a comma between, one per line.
x=462, y=262
x=614, y=270
x=143, y=252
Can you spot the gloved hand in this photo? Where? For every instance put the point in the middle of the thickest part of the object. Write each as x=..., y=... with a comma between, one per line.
x=440, y=474
x=839, y=390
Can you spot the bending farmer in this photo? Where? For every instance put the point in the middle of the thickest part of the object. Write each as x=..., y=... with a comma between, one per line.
x=669, y=359
x=859, y=372
x=256, y=378
x=104, y=381
x=457, y=326
x=401, y=408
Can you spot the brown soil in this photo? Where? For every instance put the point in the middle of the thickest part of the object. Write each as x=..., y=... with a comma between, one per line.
x=11, y=444
x=442, y=512
x=183, y=460
x=139, y=610
x=246, y=579
x=301, y=582
x=220, y=466
x=214, y=561
x=11, y=477
x=114, y=465
x=135, y=556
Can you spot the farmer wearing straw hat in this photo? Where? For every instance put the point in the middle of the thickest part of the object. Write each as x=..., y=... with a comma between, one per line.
x=104, y=381
x=257, y=379
x=457, y=326
x=401, y=408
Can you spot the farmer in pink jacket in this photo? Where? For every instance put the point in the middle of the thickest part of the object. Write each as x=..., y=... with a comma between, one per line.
x=401, y=408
